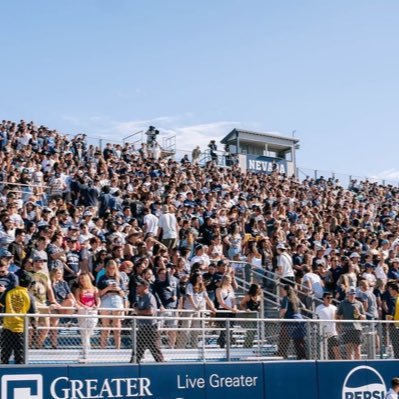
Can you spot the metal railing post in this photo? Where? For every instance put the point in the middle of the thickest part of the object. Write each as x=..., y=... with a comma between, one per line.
x=134, y=341
x=371, y=342
x=228, y=354
x=323, y=343
x=309, y=339
x=383, y=339
x=203, y=337
x=26, y=339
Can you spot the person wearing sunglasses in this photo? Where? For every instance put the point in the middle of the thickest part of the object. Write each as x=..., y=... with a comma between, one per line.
x=326, y=311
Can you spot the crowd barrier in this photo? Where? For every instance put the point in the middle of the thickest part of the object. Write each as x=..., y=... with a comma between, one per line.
x=187, y=336
x=260, y=380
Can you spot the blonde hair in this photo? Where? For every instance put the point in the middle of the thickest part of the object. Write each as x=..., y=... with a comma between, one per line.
x=87, y=283
x=111, y=262
x=54, y=271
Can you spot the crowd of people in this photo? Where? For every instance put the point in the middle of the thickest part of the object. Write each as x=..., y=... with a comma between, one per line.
x=86, y=223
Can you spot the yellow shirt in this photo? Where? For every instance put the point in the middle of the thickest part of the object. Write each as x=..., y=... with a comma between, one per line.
x=18, y=302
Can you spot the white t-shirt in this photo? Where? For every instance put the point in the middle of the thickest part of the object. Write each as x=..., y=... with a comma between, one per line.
x=391, y=394
x=199, y=298
x=370, y=277
x=315, y=282
x=284, y=262
x=151, y=223
x=203, y=258
x=327, y=313
x=167, y=222
x=379, y=273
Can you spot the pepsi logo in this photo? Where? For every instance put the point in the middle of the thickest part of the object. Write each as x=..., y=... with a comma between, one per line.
x=363, y=382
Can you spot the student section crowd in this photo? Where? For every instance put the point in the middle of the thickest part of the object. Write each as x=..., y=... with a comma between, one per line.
x=86, y=221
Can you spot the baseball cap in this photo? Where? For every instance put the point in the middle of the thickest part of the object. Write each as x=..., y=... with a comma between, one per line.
x=352, y=291
x=4, y=253
x=198, y=247
x=87, y=213
x=281, y=246
x=395, y=260
x=354, y=255
x=141, y=281
x=25, y=280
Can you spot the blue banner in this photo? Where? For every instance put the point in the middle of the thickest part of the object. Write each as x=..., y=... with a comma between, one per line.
x=290, y=380
x=261, y=164
x=356, y=380
x=234, y=380
x=269, y=380
x=30, y=382
x=183, y=381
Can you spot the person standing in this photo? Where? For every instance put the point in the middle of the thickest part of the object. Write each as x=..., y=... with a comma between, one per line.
x=112, y=301
x=195, y=299
x=227, y=303
x=393, y=314
x=196, y=153
x=168, y=228
x=148, y=336
x=351, y=309
x=367, y=297
x=43, y=293
x=166, y=289
x=88, y=301
x=328, y=311
x=394, y=390
x=290, y=309
x=251, y=303
x=19, y=302
x=285, y=266
x=212, y=151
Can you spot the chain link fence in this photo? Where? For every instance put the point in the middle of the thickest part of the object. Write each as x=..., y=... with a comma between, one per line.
x=196, y=336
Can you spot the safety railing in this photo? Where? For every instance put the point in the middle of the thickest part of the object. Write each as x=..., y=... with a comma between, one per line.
x=188, y=336
x=274, y=283
x=343, y=179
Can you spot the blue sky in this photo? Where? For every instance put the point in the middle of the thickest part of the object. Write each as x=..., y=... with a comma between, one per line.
x=326, y=69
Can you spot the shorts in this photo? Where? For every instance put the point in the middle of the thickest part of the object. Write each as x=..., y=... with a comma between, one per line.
x=352, y=337
x=87, y=322
x=170, y=322
x=332, y=342
x=112, y=302
x=45, y=311
x=170, y=243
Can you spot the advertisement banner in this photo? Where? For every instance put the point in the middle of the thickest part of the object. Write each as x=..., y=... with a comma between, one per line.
x=104, y=381
x=234, y=380
x=30, y=382
x=271, y=380
x=356, y=380
x=179, y=381
x=290, y=380
x=261, y=164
